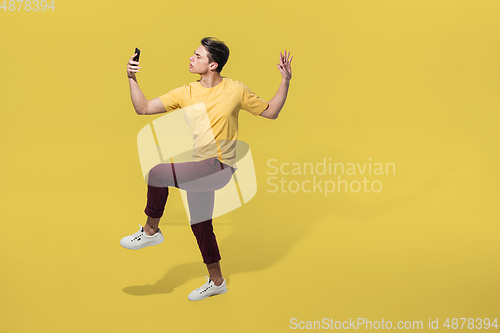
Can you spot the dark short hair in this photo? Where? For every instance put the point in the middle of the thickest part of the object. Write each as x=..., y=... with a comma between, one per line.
x=217, y=51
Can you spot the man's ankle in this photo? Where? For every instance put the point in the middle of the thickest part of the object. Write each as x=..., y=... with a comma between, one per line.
x=150, y=231
x=218, y=282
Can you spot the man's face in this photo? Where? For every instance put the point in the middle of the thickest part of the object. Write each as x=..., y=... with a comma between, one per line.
x=199, y=62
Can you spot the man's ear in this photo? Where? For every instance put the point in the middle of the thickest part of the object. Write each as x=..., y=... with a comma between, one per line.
x=213, y=65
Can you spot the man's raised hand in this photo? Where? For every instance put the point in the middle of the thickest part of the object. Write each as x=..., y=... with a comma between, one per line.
x=285, y=66
x=132, y=66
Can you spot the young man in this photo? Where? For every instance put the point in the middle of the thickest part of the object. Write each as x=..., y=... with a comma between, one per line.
x=215, y=103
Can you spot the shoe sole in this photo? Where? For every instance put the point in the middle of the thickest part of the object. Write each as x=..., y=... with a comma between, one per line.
x=150, y=244
x=199, y=299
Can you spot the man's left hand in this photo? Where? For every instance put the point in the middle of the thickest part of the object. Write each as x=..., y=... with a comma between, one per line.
x=285, y=66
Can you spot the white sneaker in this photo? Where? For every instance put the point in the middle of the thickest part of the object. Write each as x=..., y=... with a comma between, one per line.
x=207, y=290
x=140, y=239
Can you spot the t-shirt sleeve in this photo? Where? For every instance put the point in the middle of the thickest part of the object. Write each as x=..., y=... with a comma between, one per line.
x=251, y=102
x=172, y=99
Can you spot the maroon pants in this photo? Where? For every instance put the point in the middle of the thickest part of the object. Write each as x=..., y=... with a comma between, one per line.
x=200, y=180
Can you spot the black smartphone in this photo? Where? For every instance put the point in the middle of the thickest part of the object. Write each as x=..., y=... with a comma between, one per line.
x=136, y=58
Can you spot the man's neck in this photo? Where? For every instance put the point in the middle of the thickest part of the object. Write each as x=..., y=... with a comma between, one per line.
x=210, y=80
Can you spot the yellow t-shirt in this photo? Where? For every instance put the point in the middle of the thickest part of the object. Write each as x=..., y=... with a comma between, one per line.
x=212, y=115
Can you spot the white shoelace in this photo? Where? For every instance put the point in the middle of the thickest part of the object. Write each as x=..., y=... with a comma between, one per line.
x=206, y=286
x=138, y=233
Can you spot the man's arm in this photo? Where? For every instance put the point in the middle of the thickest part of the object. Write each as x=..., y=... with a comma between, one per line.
x=141, y=104
x=276, y=103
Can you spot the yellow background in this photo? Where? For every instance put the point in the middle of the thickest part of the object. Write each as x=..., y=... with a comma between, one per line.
x=414, y=83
